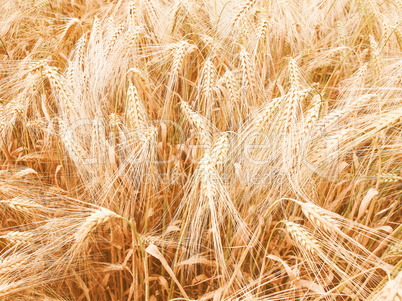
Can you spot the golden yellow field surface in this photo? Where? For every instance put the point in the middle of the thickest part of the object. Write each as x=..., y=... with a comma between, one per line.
x=201, y=150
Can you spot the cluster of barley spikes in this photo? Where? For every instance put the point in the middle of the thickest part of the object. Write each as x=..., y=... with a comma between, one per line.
x=201, y=150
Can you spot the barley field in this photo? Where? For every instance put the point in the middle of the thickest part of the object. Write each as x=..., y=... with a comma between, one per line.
x=201, y=150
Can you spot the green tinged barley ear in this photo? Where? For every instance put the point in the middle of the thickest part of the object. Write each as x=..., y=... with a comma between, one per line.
x=396, y=249
x=389, y=177
x=341, y=32
x=302, y=238
x=136, y=115
x=99, y=217
x=398, y=32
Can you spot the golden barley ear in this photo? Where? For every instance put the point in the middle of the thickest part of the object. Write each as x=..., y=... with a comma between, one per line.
x=302, y=238
x=392, y=290
x=99, y=217
x=136, y=115
x=201, y=124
